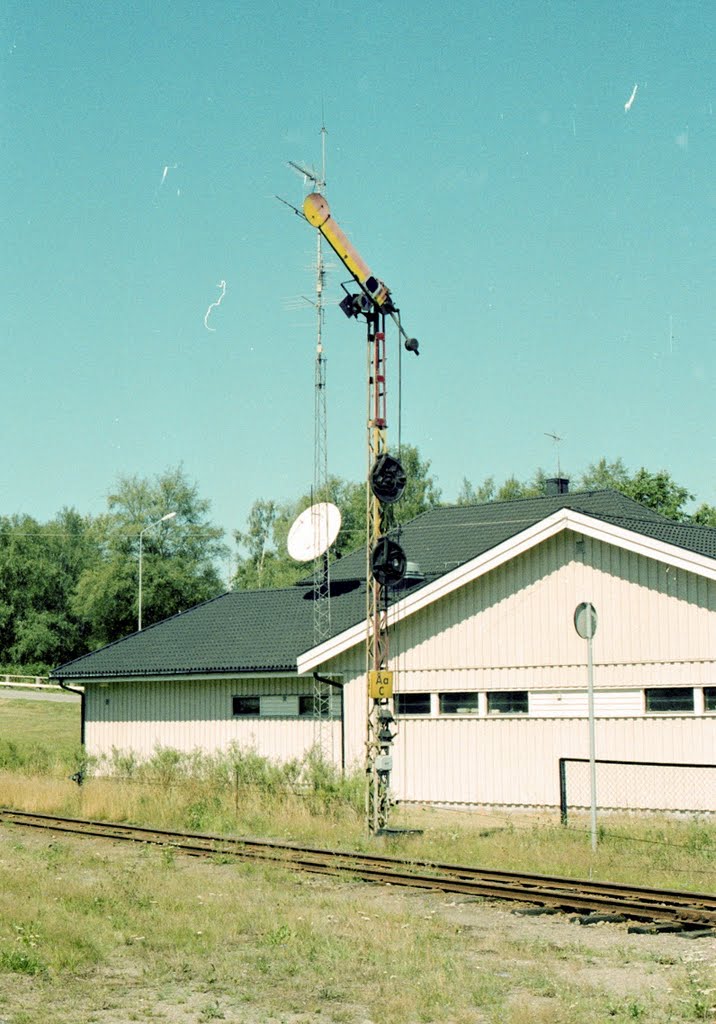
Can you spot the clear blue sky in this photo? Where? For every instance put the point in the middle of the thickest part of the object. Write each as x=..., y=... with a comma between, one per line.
x=553, y=252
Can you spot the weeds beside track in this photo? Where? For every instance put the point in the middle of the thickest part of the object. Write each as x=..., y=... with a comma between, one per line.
x=660, y=908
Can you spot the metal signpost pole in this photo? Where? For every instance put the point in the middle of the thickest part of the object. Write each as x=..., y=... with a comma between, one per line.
x=585, y=622
x=592, y=757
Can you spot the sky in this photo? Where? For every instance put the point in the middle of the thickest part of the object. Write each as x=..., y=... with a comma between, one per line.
x=533, y=181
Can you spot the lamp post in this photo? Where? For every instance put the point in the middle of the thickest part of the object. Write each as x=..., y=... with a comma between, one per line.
x=169, y=515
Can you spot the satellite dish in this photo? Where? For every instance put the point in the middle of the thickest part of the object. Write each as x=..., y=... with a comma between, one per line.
x=314, y=531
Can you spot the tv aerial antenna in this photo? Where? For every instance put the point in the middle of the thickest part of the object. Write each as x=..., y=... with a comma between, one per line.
x=557, y=441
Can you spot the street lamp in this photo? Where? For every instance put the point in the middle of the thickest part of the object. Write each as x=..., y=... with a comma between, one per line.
x=169, y=515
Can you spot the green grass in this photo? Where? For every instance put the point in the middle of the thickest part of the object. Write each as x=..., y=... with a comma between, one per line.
x=39, y=734
x=91, y=931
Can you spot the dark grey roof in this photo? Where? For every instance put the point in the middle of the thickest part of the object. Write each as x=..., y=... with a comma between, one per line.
x=242, y=631
x=443, y=538
x=265, y=630
x=690, y=536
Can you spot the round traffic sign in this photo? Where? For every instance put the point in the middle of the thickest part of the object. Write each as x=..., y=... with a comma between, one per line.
x=585, y=620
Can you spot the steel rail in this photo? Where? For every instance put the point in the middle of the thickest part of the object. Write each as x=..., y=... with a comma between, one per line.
x=661, y=906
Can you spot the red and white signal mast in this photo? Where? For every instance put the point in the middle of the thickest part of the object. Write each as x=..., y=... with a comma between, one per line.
x=385, y=559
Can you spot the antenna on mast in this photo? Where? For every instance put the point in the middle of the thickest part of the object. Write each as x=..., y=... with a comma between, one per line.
x=557, y=441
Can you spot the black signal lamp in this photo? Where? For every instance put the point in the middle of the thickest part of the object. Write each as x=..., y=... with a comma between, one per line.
x=387, y=479
x=388, y=562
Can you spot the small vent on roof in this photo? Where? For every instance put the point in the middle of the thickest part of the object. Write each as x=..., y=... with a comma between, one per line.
x=556, y=485
x=413, y=575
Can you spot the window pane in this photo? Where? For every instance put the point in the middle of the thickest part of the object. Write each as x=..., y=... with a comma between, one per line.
x=245, y=705
x=313, y=705
x=710, y=698
x=671, y=698
x=458, y=703
x=412, y=703
x=508, y=702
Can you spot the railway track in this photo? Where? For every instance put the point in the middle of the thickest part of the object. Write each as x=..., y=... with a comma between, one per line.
x=658, y=909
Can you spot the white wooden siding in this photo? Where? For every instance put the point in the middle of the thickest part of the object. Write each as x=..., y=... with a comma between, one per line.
x=521, y=614
x=191, y=714
x=513, y=630
x=515, y=761
x=280, y=706
x=573, y=703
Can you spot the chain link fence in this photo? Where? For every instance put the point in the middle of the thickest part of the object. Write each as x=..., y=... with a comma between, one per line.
x=638, y=786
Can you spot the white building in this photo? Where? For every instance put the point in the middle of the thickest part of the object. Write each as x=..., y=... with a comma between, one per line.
x=490, y=674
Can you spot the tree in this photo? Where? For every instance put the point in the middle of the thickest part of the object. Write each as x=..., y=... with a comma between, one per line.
x=479, y=495
x=510, y=490
x=266, y=562
x=421, y=491
x=39, y=568
x=178, y=556
x=657, y=491
x=705, y=515
x=603, y=475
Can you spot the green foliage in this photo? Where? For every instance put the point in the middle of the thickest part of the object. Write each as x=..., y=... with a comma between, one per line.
x=510, y=490
x=705, y=515
x=39, y=567
x=208, y=779
x=178, y=556
x=21, y=961
x=72, y=583
x=421, y=490
x=657, y=491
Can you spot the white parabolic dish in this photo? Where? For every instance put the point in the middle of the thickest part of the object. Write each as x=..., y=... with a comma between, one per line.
x=314, y=531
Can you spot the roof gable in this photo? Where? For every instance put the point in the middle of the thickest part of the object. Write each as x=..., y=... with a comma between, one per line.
x=447, y=536
x=688, y=547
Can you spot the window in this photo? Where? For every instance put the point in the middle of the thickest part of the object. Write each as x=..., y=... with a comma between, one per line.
x=458, y=703
x=313, y=705
x=245, y=706
x=508, y=702
x=670, y=698
x=412, y=704
x=710, y=698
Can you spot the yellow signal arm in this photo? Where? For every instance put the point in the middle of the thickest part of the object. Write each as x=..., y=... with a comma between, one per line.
x=318, y=213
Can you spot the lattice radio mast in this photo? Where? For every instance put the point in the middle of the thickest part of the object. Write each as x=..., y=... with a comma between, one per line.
x=321, y=564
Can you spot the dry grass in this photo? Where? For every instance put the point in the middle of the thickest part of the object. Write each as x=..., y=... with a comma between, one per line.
x=661, y=853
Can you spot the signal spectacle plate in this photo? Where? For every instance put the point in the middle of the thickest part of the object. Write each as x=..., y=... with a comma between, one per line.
x=387, y=479
x=388, y=562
